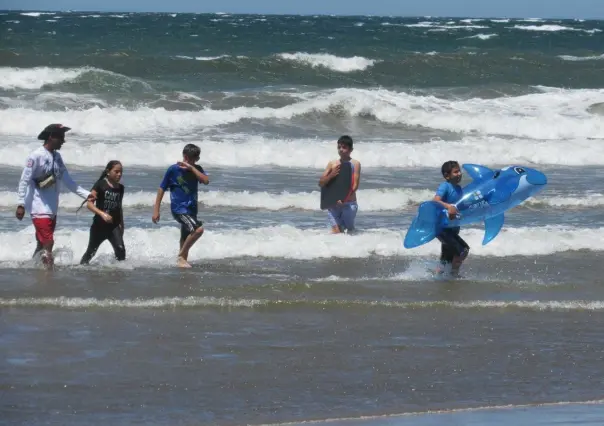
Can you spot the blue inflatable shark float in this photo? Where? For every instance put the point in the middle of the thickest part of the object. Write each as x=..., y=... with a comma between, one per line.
x=486, y=198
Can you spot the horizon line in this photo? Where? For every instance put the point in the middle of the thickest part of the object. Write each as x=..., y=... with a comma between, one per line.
x=303, y=14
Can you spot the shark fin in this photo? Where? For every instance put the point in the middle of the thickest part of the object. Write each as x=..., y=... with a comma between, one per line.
x=478, y=173
x=492, y=226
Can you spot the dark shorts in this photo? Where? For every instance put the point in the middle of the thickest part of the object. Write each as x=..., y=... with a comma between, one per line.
x=452, y=245
x=188, y=224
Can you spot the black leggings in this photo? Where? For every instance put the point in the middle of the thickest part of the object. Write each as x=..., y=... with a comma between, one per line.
x=100, y=233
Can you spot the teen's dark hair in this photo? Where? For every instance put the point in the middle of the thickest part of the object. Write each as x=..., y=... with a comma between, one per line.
x=191, y=150
x=345, y=140
x=110, y=165
x=448, y=167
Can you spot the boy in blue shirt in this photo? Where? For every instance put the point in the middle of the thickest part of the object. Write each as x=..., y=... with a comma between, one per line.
x=183, y=180
x=454, y=249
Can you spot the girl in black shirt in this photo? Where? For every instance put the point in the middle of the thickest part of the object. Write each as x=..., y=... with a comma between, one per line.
x=108, y=222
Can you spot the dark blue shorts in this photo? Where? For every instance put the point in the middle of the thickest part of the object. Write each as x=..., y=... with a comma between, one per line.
x=343, y=215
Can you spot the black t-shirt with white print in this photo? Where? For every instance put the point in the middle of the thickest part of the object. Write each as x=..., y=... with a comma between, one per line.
x=109, y=200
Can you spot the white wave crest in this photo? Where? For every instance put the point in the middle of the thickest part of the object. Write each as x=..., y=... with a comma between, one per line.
x=35, y=78
x=551, y=28
x=332, y=62
x=581, y=58
x=206, y=58
x=75, y=303
x=372, y=199
x=139, y=303
x=553, y=114
x=259, y=151
x=159, y=246
x=483, y=36
x=36, y=14
x=385, y=199
x=447, y=26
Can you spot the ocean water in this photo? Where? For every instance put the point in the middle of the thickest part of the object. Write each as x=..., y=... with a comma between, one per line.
x=279, y=321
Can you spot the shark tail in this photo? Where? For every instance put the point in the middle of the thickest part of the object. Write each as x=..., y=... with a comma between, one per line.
x=426, y=226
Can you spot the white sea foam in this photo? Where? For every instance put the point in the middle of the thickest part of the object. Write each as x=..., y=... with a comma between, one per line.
x=332, y=62
x=372, y=199
x=553, y=114
x=38, y=77
x=259, y=151
x=35, y=78
x=74, y=303
x=386, y=199
x=36, y=14
x=483, y=36
x=551, y=28
x=48, y=100
x=158, y=246
x=205, y=58
x=139, y=303
x=448, y=26
x=582, y=58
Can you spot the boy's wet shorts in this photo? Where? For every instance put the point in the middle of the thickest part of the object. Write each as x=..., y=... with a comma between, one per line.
x=343, y=215
x=188, y=224
x=452, y=245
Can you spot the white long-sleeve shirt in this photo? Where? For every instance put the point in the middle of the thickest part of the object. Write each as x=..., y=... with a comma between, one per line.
x=40, y=202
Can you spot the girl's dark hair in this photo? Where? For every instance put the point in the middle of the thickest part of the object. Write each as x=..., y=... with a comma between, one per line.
x=110, y=165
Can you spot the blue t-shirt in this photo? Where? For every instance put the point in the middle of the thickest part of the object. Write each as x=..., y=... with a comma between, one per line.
x=183, y=187
x=449, y=192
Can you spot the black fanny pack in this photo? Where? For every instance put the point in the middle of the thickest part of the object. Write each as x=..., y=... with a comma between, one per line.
x=48, y=180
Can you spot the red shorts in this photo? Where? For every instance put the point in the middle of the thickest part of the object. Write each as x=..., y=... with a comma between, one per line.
x=45, y=228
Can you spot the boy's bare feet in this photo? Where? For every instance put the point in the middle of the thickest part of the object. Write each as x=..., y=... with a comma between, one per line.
x=182, y=262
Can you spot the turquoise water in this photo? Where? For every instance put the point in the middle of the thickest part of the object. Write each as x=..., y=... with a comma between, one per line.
x=238, y=52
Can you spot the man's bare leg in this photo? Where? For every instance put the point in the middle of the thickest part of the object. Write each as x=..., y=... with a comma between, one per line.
x=47, y=258
x=38, y=249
